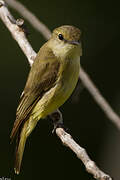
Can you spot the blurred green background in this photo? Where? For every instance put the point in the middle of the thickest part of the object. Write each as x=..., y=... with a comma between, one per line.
x=45, y=157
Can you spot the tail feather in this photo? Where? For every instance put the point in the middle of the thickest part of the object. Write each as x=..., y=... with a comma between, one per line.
x=20, y=145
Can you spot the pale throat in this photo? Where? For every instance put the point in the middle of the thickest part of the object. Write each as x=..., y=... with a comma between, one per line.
x=63, y=50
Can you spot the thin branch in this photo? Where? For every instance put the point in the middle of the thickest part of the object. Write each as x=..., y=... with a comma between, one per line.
x=31, y=18
x=97, y=96
x=101, y=101
x=82, y=155
x=18, y=34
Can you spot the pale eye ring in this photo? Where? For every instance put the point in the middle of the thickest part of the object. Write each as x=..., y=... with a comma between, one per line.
x=60, y=36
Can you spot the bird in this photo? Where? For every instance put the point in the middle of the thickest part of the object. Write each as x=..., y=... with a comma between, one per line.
x=51, y=80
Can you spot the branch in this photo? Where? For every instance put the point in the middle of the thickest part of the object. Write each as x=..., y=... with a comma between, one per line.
x=82, y=155
x=95, y=93
x=100, y=100
x=17, y=31
x=30, y=17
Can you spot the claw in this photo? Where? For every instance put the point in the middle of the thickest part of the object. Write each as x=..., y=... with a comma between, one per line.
x=58, y=125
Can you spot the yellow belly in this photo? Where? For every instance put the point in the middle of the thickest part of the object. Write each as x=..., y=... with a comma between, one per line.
x=57, y=95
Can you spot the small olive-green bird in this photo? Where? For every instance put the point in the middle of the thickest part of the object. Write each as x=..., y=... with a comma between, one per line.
x=52, y=79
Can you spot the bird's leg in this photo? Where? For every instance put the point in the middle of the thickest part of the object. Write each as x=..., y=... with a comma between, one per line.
x=57, y=120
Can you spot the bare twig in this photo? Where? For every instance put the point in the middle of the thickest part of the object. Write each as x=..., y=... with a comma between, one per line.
x=19, y=35
x=82, y=155
x=100, y=100
x=34, y=21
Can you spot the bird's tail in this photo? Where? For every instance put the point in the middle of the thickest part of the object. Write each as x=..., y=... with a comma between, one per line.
x=20, y=145
x=24, y=131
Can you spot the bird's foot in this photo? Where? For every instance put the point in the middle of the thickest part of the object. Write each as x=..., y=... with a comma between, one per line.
x=57, y=120
x=58, y=125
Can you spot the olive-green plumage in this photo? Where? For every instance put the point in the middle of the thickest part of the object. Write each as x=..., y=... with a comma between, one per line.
x=52, y=79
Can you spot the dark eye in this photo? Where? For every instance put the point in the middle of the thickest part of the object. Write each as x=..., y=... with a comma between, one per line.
x=60, y=36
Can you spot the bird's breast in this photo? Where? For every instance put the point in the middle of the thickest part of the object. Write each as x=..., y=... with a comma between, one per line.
x=69, y=77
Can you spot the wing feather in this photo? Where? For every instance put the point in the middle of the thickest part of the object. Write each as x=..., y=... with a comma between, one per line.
x=42, y=77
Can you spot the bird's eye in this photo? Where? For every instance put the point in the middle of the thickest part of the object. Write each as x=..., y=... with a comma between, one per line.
x=60, y=36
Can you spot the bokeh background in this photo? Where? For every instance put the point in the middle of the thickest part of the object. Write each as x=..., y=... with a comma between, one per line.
x=45, y=157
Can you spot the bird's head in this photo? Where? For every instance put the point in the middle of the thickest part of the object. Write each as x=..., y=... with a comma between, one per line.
x=66, y=40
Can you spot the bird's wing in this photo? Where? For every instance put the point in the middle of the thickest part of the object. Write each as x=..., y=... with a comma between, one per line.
x=42, y=77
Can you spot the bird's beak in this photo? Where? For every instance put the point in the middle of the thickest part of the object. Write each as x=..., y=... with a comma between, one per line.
x=74, y=42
